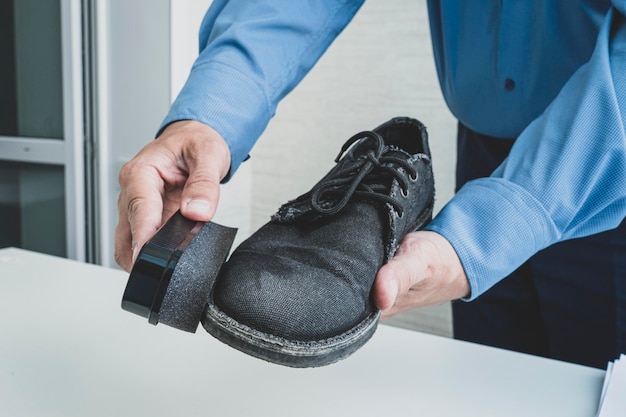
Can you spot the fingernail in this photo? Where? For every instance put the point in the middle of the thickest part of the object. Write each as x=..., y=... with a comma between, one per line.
x=199, y=206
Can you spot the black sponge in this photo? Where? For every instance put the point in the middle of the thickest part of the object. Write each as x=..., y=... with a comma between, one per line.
x=175, y=271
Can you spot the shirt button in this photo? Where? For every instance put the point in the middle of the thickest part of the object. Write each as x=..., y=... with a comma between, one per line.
x=509, y=84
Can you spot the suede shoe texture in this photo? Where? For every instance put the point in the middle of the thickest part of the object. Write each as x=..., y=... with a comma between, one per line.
x=298, y=291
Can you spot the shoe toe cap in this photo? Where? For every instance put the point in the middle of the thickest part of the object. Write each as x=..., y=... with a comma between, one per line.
x=288, y=298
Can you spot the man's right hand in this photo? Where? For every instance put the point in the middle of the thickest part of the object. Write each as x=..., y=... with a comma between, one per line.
x=180, y=170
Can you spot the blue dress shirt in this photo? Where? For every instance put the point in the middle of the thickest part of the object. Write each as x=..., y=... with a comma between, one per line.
x=551, y=73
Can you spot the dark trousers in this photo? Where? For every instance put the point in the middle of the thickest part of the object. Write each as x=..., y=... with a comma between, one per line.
x=567, y=302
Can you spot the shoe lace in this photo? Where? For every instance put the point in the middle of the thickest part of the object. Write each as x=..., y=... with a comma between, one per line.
x=370, y=176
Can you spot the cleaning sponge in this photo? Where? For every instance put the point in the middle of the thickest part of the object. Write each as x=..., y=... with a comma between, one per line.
x=175, y=271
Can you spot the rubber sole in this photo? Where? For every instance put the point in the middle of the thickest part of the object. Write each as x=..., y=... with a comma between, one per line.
x=292, y=353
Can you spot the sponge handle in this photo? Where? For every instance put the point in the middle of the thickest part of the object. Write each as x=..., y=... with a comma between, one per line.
x=156, y=262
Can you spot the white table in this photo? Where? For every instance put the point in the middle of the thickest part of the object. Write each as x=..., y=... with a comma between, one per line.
x=68, y=349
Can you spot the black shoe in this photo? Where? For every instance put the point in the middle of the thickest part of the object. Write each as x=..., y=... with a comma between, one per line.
x=298, y=291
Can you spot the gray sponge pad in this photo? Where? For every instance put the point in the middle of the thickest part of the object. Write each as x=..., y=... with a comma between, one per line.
x=194, y=276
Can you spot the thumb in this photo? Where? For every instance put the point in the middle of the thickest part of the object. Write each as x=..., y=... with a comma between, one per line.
x=207, y=160
x=389, y=284
x=201, y=192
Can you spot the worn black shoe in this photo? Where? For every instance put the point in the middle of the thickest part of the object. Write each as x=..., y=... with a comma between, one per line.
x=298, y=291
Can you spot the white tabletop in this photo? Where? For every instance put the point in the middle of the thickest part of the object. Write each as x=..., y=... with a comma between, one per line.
x=68, y=349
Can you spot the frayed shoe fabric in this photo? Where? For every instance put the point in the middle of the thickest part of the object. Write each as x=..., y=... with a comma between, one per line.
x=298, y=292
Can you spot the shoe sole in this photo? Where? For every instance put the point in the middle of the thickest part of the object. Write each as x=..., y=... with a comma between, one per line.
x=292, y=353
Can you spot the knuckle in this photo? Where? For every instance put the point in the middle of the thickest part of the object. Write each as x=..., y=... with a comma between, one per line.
x=202, y=180
x=126, y=173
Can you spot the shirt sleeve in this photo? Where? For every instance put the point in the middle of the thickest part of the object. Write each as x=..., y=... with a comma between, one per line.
x=565, y=176
x=252, y=53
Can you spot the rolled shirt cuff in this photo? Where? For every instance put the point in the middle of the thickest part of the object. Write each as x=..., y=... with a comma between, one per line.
x=494, y=226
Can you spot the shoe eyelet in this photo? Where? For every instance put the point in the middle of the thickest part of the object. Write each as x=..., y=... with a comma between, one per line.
x=413, y=178
x=404, y=193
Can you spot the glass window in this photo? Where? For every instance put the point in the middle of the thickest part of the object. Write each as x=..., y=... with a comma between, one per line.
x=31, y=83
x=32, y=207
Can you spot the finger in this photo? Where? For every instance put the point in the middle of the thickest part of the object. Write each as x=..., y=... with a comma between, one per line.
x=405, y=272
x=425, y=271
x=387, y=285
x=145, y=215
x=140, y=209
x=123, y=239
x=200, y=195
x=395, y=289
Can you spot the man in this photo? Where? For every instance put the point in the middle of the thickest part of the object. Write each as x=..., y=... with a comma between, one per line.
x=547, y=75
